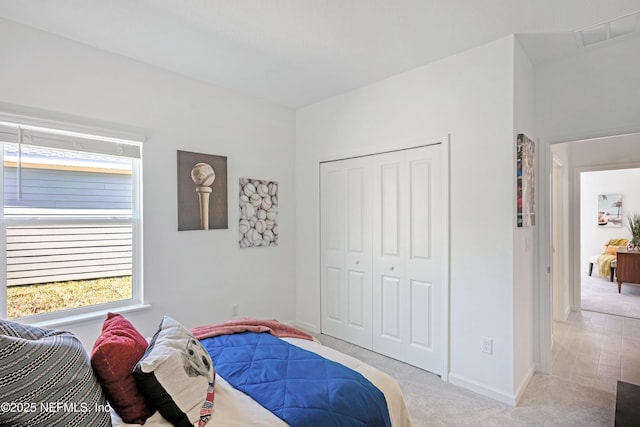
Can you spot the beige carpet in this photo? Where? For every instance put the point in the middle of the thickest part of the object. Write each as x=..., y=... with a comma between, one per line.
x=591, y=352
x=560, y=399
x=601, y=295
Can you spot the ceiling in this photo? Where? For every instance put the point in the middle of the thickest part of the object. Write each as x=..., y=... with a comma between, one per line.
x=296, y=52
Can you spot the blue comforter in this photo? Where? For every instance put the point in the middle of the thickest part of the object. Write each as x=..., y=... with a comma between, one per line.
x=299, y=386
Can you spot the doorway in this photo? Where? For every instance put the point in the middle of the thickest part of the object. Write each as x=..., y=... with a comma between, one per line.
x=612, y=152
x=615, y=191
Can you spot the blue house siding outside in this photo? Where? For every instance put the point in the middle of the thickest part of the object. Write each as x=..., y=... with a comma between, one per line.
x=66, y=189
x=50, y=253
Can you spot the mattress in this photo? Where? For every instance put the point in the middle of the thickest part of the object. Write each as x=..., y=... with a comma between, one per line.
x=233, y=408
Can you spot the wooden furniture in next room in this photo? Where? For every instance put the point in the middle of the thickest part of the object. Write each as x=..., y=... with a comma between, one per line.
x=606, y=261
x=628, y=267
x=627, y=404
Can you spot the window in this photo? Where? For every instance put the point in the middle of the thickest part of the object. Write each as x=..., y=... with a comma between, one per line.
x=71, y=220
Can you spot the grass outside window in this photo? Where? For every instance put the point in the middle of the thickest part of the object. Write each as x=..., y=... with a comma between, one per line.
x=29, y=300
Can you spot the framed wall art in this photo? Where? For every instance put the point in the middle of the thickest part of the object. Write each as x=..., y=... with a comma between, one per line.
x=610, y=210
x=258, y=203
x=202, y=191
x=525, y=184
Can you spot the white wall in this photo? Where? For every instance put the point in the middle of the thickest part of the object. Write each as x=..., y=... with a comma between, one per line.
x=523, y=239
x=470, y=96
x=590, y=94
x=594, y=92
x=194, y=276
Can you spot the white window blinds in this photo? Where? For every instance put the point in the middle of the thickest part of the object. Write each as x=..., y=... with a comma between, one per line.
x=13, y=130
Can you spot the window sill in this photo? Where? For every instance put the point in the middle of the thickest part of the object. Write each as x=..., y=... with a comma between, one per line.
x=84, y=317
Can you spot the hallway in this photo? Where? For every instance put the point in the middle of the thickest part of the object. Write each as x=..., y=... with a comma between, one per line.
x=596, y=350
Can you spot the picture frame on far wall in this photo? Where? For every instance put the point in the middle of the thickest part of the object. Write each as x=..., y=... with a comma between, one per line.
x=610, y=210
x=202, y=191
x=525, y=181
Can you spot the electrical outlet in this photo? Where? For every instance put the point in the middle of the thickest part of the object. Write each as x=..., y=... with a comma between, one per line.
x=486, y=345
x=235, y=309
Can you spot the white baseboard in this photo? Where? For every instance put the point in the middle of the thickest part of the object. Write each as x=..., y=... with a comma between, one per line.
x=523, y=384
x=482, y=389
x=306, y=326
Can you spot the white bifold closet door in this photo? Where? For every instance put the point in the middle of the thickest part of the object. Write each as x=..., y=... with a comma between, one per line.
x=346, y=250
x=381, y=253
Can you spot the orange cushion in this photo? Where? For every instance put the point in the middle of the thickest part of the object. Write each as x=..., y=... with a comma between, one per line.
x=611, y=250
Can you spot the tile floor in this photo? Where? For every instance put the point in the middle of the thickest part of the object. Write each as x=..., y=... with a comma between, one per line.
x=596, y=350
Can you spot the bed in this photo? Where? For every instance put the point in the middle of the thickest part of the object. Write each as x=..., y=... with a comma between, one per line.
x=233, y=408
x=120, y=346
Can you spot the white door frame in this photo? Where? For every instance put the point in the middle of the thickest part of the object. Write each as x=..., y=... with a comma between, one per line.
x=543, y=322
x=446, y=265
x=559, y=282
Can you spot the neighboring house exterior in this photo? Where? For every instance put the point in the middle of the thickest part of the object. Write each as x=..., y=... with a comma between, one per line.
x=37, y=254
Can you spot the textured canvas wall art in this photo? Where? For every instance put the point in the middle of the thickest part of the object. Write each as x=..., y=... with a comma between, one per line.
x=258, y=206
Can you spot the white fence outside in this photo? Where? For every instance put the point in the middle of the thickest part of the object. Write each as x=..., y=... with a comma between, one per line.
x=42, y=254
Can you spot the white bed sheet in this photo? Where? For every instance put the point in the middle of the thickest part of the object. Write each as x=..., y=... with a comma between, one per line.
x=233, y=408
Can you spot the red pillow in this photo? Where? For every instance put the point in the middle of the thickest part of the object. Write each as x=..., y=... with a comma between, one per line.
x=114, y=355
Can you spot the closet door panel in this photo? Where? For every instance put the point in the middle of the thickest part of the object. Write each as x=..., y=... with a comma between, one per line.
x=357, y=198
x=332, y=257
x=346, y=195
x=413, y=196
x=333, y=291
x=389, y=246
x=356, y=290
x=358, y=252
x=421, y=297
x=424, y=263
x=391, y=307
x=420, y=238
x=389, y=188
x=420, y=217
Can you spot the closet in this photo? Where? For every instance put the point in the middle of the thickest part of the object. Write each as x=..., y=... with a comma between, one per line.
x=382, y=228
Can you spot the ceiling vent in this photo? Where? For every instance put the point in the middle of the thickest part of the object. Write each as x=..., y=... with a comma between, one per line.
x=618, y=27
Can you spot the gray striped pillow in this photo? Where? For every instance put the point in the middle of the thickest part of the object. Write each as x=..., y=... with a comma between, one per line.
x=46, y=380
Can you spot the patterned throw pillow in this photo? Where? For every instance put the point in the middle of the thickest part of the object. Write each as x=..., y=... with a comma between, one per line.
x=46, y=380
x=114, y=355
x=176, y=375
